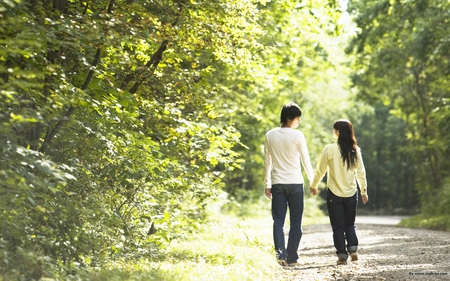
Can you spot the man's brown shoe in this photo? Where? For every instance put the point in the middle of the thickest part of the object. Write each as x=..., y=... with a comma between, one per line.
x=295, y=263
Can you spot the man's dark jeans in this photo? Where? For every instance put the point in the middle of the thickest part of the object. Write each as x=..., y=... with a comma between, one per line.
x=342, y=213
x=284, y=195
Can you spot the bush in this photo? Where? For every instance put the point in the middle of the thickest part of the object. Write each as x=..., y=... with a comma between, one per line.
x=441, y=222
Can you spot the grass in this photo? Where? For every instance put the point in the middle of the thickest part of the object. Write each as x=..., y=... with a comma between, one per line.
x=229, y=248
x=437, y=222
x=226, y=249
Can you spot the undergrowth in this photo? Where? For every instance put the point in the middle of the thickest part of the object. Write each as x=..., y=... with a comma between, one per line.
x=436, y=222
x=231, y=246
x=226, y=249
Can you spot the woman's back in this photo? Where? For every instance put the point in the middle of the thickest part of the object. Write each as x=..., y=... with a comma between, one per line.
x=341, y=180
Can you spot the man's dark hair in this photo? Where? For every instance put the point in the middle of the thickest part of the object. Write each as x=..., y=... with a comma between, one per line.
x=290, y=111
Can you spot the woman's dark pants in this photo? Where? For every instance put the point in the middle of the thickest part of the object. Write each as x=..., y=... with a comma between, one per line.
x=342, y=213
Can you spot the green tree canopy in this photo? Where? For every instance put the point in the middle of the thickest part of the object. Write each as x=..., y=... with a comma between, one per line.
x=402, y=60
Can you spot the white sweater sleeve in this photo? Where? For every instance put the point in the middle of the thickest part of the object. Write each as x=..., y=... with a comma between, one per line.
x=304, y=157
x=321, y=168
x=267, y=165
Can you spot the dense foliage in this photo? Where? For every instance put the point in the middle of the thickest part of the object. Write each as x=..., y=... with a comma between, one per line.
x=402, y=66
x=109, y=129
x=120, y=119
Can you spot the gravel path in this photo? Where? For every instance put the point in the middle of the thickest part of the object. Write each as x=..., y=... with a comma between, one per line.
x=386, y=252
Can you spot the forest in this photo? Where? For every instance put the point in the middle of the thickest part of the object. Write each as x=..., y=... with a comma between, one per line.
x=124, y=121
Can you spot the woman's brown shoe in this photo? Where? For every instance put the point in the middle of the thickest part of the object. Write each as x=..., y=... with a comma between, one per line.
x=354, y=256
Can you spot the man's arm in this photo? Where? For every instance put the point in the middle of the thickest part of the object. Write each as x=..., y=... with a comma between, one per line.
x=321, y=169
x=267, y=169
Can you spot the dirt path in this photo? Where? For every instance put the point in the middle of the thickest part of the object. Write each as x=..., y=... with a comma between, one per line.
x=386, y=252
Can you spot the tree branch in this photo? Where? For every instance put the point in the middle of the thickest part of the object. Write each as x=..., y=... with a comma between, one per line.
x=110, y=6
x=51, y=132
x=156, y=58
x=181, y=5
x=152, y=64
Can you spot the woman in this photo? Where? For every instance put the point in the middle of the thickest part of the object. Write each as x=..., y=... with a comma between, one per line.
x=344, y=163
x=284, y=148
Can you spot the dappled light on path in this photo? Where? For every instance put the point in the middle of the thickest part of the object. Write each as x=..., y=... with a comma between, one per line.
x=385, y=253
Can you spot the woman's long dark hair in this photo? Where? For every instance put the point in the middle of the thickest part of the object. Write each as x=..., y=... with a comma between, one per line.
x=347, y=142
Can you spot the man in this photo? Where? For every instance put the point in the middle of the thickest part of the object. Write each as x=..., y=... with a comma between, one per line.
x=284, y=149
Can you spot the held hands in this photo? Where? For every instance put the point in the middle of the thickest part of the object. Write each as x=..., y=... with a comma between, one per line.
x=312, y=190
x=364, y=198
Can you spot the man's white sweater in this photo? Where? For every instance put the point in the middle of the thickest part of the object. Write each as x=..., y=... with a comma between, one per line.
x=284, y=149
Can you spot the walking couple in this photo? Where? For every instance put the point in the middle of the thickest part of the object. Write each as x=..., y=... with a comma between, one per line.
x=284, y=149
